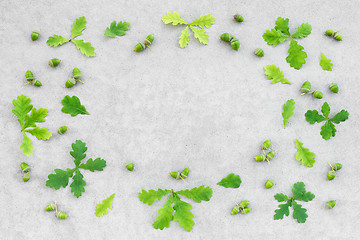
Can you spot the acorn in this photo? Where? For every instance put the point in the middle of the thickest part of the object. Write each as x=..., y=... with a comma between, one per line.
x=337, y=166
x=260, y=158
x=331, y=175
x=317, y=94
x=34, y=35
x=270, y=155
x=238, y=18
x=247, y=210
x=244, y=203
x=306, y=87
x=62, y=130
x=184, y=173
x=37, y=83
x=76, y=73
x=129, y=166
x=235, y=210
x=331, y=204
x=50, y=207
x=61, y=215
x=269, y=184
x=139, y=47
x=259, y=52
x=227, y=37
x=235, y=44
x=175, y=175
x=334, y=87
x=24, y=167
x=265, y=145
x=338, y=36
x=149, y=39
x=329, y=32
x=29, y=76
x=54, y=62
x=26, y=177
x=70, y=82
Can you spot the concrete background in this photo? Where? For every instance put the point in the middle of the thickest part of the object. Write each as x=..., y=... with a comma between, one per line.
x=204, y=107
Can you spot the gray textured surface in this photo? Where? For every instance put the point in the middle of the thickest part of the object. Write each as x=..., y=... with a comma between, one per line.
x=203, y=107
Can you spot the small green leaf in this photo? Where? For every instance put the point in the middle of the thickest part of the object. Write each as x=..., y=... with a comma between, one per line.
x=72, y=105
x=21, y=107
x=117, y=30
x=184, y=38
x=273, y=73
x=60, y=178
x=77, y=186
x=328, y=130
x=299, y=193
x=282, y=25
x=40, y=133
x=84, y=47
x=304, y=155
x=302, y=31
x=102, y=208
x=313, y=117
x=79, y=149
x=183, y=215
x=200, y=35
x=165, y=215
x=36, y=116
x=283, y=210
x=26, y=145
x=94, y=165
x=150, y=196
x=274, y=37
x=204, y=21
x=288, y=110
x=78, y=26
x=325, y=63
x=56, y=40
x=173, y=18
x=232, y=181
x=197, y=194
x=280, y=197
x=341, y=116
x=325, y=109
x=296, y=56
x=299, y=213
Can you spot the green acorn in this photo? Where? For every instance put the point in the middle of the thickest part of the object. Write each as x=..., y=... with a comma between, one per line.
x=139, y=47
x=244, y=203
x=338, y=36
x=235, y=44
x=317, y=94
x=260, y=158
x=334, y=87
x=329, y=32
x=26, y=177
x=331, y=204
x=238, y=18
x=306, y=87
x=29, y=76
x=76, y=73
x=50, y=207
x=70, y=82
x=265, y=145
x=175, y=175
x=24, y=167
x=34, y=35
x=331, y=175
x=259, y=52
x=227, y=37
x=62, y=130
x=270, y=155
x=247, y=210
x=37, y=83
x=61, y=215
x=54, y=62
x=129, y=166
x=149, y=39
x=337, y=166
x=184, y=173
x=269, y=184
x=235, y=210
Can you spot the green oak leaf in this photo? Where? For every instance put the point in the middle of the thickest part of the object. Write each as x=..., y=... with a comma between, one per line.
x=184, y=37
x=37, y=116
x=197, y=194
x=296, y=56
x=26, y=145
x=304, y=155
x=341, y=116
x=102, y=208
x=78, y=184
x=150, y=196
x=56, y=40
x=231, y=181
x=204, y=21
x=21, y=107
x=313, y=117
x=299, y=213
x=78, y=153
x=325, y=109
x=274, y=74
x=280, y=197
x=183, y=215
x=274, y=37
x=84, y=47
x=72, y=105
x=78, y=26
x=283, y=210
x=94, y=165
x=328, y=130
x=117, y=30
x=299, y=193
x=165, y=215
x=60, y=178
x=282, y=25
x=200, y=35
x=173, y=18
x=325, y=63
x=288, y=110
x=302, y=31
x=40, y=133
